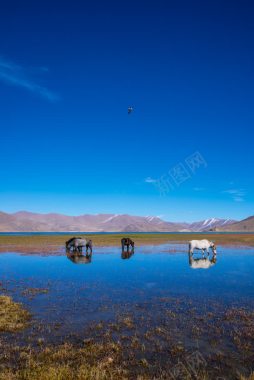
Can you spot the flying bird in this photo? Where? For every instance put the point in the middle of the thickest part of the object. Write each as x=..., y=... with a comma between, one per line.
x=130, y=109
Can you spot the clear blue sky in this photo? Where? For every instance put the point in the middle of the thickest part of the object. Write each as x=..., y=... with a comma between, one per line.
x=70, y=69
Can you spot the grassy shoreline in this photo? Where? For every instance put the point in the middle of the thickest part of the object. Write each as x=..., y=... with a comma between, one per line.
x=51, y=244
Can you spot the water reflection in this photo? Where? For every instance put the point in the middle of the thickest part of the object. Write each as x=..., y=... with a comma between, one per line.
x=127, y=254
x=79, y=259
x=202, y=263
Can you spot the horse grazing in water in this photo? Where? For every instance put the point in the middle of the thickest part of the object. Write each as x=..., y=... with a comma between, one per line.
x=203, y=245
x=77, y=244
x=126, y=242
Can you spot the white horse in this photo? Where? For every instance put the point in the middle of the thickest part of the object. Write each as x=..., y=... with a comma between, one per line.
x=203, y=245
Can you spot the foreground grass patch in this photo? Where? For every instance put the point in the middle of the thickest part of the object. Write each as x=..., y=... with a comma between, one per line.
x=66, y=362
x=251, y=377
x=93, y=361
x=122, y=351
x=12, y=315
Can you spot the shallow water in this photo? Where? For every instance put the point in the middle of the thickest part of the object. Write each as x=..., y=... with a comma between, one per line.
x=150, y=273
x=155, y=287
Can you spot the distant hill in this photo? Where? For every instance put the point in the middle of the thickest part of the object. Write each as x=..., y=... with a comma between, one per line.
x=34, y=222
x=245, y=225
x=210, y=224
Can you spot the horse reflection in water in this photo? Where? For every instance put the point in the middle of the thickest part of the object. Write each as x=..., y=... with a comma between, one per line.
x=127, y=254
x=77, y=258
x=202, y=263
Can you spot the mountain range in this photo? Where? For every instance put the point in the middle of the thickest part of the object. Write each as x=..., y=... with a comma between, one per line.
x=24, y=221
x=245, y=225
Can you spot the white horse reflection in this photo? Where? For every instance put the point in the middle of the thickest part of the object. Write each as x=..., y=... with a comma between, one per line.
x=202, y=263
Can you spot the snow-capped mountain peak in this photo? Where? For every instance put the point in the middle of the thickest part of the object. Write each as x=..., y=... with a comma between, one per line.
x=209, y=224
x=111, y=218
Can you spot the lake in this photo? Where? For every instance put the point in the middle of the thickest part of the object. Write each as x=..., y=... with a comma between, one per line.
x=175, y=305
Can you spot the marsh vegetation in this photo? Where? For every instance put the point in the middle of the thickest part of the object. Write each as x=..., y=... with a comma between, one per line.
x=13, y=317
x=50, y=243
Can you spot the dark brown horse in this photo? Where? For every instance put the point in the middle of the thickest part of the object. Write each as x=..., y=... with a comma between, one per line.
x=126, y=242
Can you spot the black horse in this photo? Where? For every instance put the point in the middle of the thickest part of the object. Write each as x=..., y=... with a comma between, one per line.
x=126, y=242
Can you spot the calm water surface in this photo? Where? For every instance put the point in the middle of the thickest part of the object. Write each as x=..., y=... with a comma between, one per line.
x=79, y=292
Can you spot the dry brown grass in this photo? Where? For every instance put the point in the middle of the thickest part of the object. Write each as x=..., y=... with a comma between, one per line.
x=66, y=362
x=90, y=361
x=12, y=315
x=251, y=377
